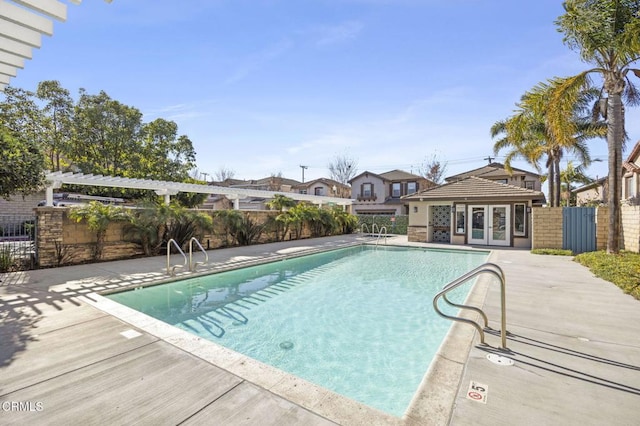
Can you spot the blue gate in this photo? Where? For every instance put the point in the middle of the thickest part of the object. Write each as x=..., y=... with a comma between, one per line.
x=579, y=229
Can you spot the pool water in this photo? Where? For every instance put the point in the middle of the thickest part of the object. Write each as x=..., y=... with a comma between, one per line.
x=357, y=321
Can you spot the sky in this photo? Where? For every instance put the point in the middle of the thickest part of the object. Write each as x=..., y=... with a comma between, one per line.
x=263, y=87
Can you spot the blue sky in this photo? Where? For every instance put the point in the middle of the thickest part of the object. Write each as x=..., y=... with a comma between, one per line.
x=264, y=86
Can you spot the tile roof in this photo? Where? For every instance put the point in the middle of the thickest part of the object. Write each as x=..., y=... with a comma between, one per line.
x=493, y=170
x=399, y=175
x=326, y=181
x=474, y=188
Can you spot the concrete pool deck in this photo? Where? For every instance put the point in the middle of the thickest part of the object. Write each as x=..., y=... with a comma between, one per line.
x=574, y=340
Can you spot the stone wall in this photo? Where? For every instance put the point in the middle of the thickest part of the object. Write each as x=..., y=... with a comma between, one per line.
x=602, y=227
x=417, y=234
x=546, y=228
x=630, y=228
x=62, y=241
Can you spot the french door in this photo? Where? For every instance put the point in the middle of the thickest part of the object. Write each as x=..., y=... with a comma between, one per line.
x=489, y=225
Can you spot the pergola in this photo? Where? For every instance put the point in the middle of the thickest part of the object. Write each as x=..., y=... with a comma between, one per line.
x=22, y=24
x=167, y=189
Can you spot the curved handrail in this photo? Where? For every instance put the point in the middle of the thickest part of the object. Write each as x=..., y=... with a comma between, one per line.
x=380, y=234
x=172, y=270
x=491, y=268
x=363, y=226
x=194, y=265
x=374, y=227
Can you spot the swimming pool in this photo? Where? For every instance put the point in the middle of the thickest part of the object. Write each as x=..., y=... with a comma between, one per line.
x=358, y=321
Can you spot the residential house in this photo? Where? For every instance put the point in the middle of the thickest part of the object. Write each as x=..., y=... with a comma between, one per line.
x=496, y=172
x=591, y=194
x=381, y=194
x=323, y=187
x=480, y=210
x=271, y=183
x=631, y=176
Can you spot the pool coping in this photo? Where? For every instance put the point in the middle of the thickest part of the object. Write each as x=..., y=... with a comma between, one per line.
x=433, y=401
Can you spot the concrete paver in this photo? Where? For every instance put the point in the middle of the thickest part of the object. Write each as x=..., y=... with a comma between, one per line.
x=573, y=339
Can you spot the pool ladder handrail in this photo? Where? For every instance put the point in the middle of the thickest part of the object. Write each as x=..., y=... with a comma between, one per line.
x=380, y=234
x=193, y=265
x=172, y=270
x=364, y=226
x=488, y=267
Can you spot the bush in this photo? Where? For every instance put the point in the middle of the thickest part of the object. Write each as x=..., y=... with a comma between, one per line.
x=622, y=269
x=553, y=252
x=7, y=258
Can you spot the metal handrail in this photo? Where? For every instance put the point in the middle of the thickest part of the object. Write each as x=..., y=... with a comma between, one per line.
x=374, y=226
x=491, y=268
x=172, y=270
x=194, y=265
x=363, y=226
x=380, y=234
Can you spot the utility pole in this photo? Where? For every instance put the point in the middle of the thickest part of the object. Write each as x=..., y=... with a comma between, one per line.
x=303, y=169
x=205, y=176
x=489, y=159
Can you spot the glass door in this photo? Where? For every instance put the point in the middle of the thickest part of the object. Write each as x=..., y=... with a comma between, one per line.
x=478, y=225
x=499, y=228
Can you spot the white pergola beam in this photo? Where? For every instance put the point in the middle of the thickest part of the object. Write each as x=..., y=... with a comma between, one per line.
x=19, y=33
x=11, y=59
x=24, y=17
x=52, y=8
x=8, y=70
x=163, y=187
x=4, y=79
x=14, y=47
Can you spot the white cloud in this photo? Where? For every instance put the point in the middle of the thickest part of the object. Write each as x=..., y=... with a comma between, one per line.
x=259, y=59
x=341, y=33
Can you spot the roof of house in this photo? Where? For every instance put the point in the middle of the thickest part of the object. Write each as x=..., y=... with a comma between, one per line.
x=493, y=170
x=595, y=183
x=474, y=188
x=326, y=181
x=393, y=175
x=399, y=175
x=631, y=163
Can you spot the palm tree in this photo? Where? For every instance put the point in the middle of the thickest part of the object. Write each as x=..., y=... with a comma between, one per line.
x=528, y=135
x=279, y=203
x=98, y=217
x=572, y=174
x=606, y=33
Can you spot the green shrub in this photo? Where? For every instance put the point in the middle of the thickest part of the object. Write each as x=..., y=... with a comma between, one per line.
x=7, y=258
x=553, y=252
x=622, y=269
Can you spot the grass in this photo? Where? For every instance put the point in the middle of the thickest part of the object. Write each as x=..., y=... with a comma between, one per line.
x=555, y=252
x=622, y=269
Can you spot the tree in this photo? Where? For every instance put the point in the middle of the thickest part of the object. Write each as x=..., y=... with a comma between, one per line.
x=433, y=170
x=606, y=33
x=166, y=156
x=342, y=168
x=280, y=202
x=223, y=174
x=22, y=165
x=528, y=134
x=570, y=175
x=106, y=135
x=58, y=117
x=98, y=217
